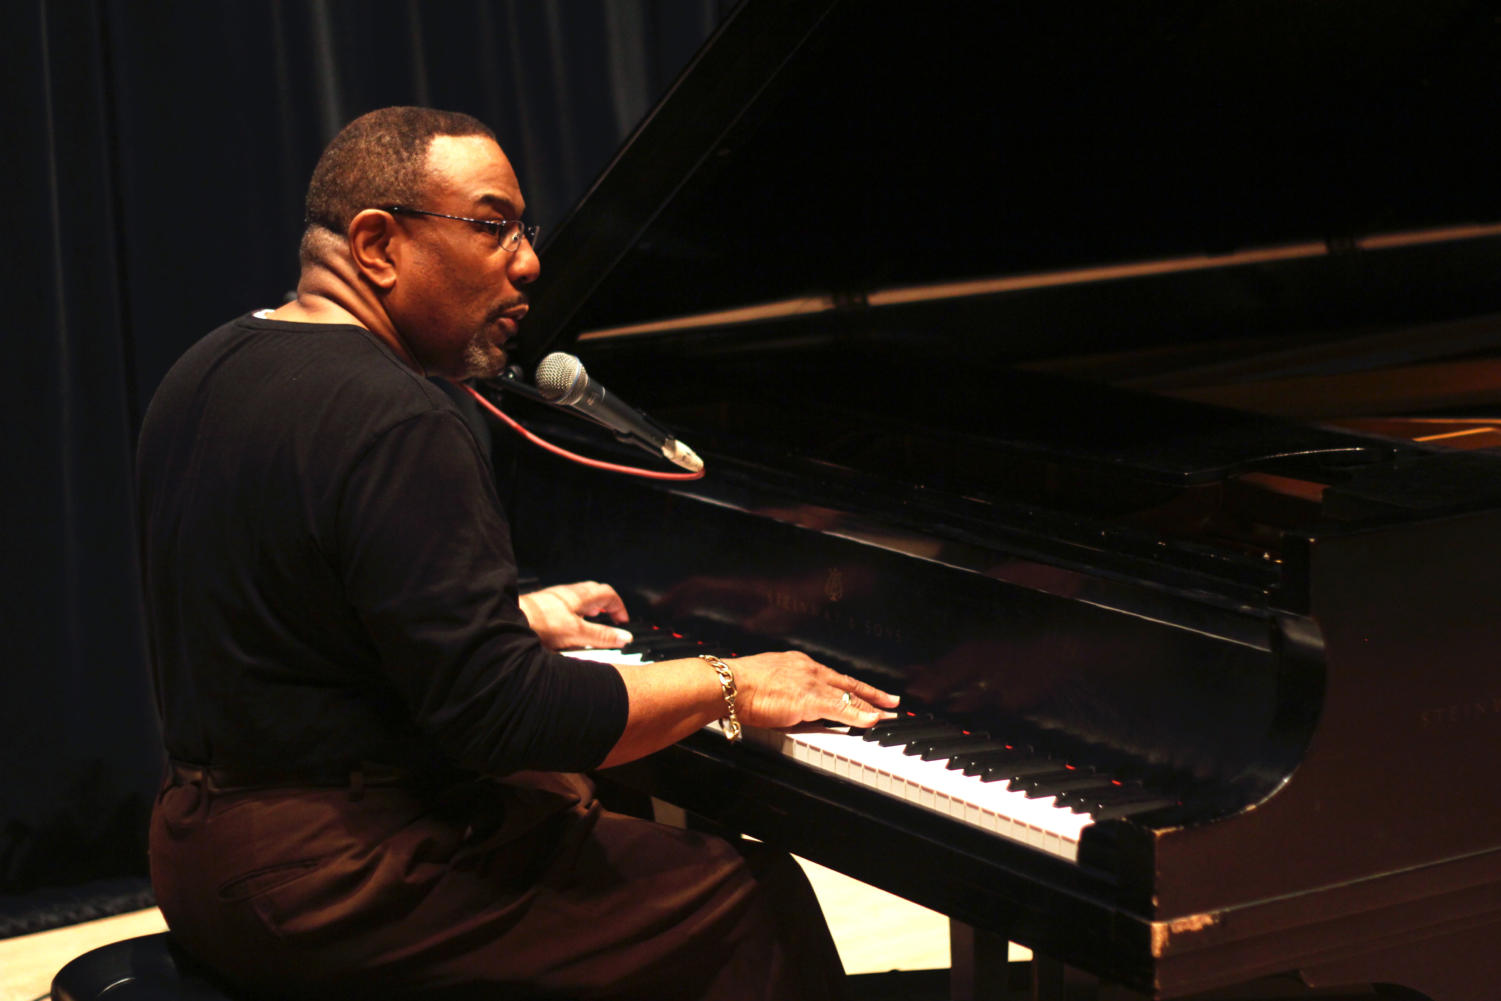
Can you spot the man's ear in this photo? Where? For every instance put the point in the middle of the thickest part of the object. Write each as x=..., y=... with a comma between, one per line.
x=373, y=234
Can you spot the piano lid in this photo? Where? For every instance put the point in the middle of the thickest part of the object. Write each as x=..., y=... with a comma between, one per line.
x=821, y=155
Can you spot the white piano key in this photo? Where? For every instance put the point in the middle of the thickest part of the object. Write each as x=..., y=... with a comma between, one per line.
x=991, y=806
x=606, y=656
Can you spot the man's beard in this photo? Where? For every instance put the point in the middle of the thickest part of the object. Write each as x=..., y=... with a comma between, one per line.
x=482, y=358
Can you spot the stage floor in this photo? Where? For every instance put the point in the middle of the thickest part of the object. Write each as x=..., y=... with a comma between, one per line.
x=875, y=932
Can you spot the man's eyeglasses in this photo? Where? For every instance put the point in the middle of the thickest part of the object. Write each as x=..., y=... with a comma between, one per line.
x=507, y=232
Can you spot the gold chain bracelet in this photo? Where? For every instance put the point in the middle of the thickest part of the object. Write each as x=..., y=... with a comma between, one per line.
x=730, y=723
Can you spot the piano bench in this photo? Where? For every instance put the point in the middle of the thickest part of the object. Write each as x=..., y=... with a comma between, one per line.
x=148, y=968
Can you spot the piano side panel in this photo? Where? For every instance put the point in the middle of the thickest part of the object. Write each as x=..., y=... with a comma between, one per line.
x=1414, y=927
x=1399, y=771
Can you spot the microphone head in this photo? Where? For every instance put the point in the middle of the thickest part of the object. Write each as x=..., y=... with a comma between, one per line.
x=560, y=378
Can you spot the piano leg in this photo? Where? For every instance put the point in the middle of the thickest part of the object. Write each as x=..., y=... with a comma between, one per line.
x=979, y=970
x=978, y=966
x=1055, y=981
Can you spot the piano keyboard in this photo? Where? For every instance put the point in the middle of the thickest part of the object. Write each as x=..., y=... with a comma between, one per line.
x=1015, y=792
x=1040, y=823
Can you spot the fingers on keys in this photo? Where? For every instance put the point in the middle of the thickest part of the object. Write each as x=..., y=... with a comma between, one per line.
x=594, y=599
x=857, y=710
x=860, y=690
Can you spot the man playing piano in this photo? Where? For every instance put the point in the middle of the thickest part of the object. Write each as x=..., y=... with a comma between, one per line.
x=373, y=739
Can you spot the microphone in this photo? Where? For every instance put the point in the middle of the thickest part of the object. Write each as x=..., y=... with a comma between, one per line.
x=562, y=381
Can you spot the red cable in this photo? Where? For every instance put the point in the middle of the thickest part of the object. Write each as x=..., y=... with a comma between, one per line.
x=574, y=457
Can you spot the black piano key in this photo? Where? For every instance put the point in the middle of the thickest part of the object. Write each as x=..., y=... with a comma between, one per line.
x=654, y=643
x=1051, y=783
x=905, y=735
x=640, y=631
x=657, y=641
x=676, y=652
x=1117, y=800
x=1128, y=808
x=1005, y=771
x=1088, y=799
x=1113, y=791
x=932, y=749
x=919, y=745
x=973, y=763
x=911, y=721
x=670, y=653
x=906, y=719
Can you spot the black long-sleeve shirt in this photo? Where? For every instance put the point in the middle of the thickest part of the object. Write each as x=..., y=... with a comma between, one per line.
x=329, y=577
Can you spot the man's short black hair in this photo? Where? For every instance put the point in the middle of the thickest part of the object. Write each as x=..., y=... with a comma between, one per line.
x=379, y=159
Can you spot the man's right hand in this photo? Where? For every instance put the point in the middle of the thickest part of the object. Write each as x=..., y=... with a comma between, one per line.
x=671, y=699
x=779, y=690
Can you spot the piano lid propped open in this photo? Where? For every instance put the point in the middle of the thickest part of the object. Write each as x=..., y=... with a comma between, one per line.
x=1034, y=180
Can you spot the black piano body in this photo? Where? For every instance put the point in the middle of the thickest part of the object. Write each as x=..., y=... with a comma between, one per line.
x=971, y=312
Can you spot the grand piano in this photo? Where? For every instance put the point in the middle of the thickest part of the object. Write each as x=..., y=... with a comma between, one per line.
x=1120, y=384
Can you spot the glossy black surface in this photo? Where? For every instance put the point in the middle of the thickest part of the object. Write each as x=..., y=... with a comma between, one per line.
x=984, y=638
x=1267, y=643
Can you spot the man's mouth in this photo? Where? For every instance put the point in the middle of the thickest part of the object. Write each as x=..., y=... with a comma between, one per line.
x=508, y=318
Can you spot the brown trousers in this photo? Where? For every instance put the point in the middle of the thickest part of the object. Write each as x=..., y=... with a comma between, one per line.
x=516, y=888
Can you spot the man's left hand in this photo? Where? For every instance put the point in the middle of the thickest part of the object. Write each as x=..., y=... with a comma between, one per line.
x=559, y=614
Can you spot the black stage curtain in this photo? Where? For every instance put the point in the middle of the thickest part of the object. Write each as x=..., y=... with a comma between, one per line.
x=156, y=156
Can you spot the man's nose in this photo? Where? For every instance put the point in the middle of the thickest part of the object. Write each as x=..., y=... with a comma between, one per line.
x=525, y=266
